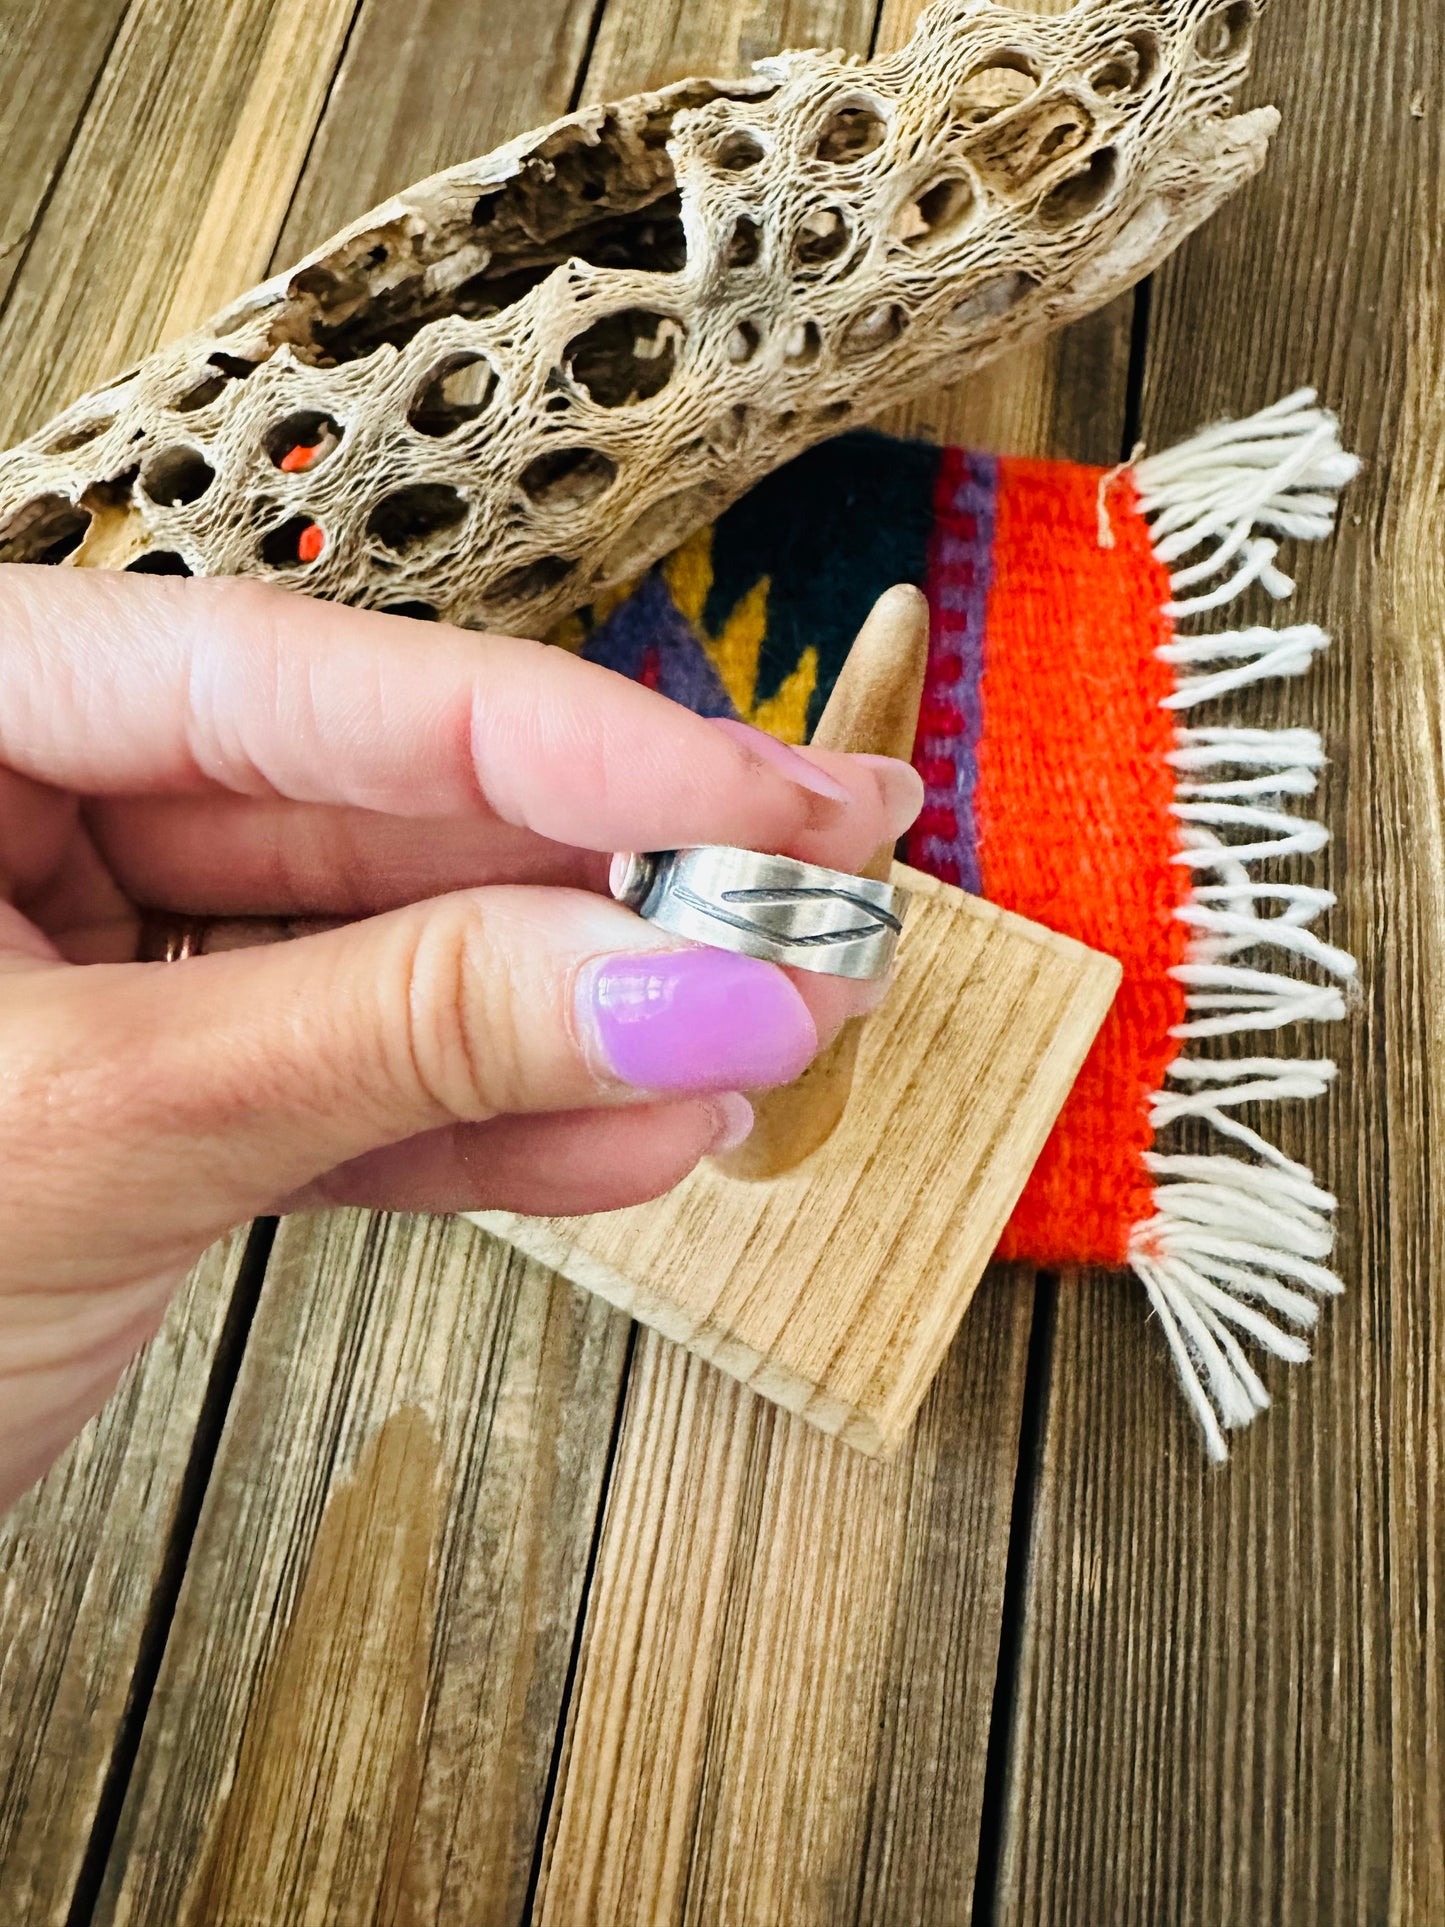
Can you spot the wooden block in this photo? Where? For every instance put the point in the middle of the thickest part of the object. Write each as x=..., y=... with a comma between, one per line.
x=835, y=1289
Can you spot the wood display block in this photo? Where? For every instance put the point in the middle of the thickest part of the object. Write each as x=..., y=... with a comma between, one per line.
x=836, y=1289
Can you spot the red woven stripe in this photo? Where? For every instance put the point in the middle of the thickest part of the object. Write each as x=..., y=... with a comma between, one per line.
x=1073, y=809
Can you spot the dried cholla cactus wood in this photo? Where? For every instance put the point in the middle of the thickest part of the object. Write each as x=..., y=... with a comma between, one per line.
x=528, y=377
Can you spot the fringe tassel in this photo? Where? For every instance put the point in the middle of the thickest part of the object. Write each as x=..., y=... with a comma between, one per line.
x=1237, y=1247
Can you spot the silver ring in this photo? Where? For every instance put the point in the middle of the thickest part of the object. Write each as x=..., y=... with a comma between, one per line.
x=766, y=906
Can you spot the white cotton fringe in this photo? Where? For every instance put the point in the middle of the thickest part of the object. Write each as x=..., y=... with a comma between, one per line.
x=1237, y=1249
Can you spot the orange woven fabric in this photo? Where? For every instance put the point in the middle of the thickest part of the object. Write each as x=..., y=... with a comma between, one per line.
x=1074, y=826
x=1042, y=743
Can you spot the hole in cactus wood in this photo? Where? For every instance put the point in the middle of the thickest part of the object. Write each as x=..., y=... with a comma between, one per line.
x=607, y=197
x=744, y=243
x=1012, y=155
x=873, y=329
x=851, y=131
x=417, y=611
x=302, y=441
x=176, y=476
x=1226, y=34
x=489, y=293
x=1005, y=80
x=455, y=392
x=568, y=477
x=294, y=544
x=804, y=344
x=221, y=371
x=1081, y=193
x=46, y=529
x=991, y=300
x=1061, y=138
x=531, y=579
x=159, y=562
x=66, y=440
x=410, y=517
x=822, y=236
x=738, y=150
x=201, y=396
x=937, y=212
x=1128, y=69
x=625, y=358
x=743, y=342
x=653, y=243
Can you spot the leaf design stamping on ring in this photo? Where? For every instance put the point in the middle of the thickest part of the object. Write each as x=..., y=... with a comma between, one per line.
x=877, y=919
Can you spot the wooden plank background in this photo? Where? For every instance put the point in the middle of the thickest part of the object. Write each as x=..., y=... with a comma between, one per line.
x=402, y=1583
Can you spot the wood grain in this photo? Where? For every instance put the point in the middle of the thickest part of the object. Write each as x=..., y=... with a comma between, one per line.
x=1231, y=1703
x=175, y=188
x=47, y=69
x=788, y=1662
x=904, y=1845
x=355, y=1715
x=87, y=1557
x=647, y=45
x=1051, y=397
x=301, y=1742
x=836, y=1288
x=871, y=711
x=81, y=1559
x=423, y=87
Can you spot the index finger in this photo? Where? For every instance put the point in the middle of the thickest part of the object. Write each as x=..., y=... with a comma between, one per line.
x=120, y=685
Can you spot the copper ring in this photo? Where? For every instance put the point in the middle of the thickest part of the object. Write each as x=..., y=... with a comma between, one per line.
x=166, y=939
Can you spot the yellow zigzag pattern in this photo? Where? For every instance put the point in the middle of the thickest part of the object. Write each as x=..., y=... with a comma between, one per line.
x=736, y=649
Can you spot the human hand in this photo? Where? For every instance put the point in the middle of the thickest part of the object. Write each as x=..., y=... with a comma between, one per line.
x=486, y=1029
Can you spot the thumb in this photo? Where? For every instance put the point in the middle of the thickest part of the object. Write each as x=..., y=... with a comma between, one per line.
x=187, y=1096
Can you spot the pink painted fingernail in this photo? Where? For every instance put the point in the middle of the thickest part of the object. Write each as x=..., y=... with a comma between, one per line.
x=783, y=757
x=735, y=1122
x=693, y=1020
x=902, y=789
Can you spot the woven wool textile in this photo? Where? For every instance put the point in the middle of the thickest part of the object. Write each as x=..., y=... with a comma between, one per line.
x=1067, y=779
x=1041, y=740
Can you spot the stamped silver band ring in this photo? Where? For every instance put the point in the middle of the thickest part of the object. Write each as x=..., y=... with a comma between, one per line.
x=766, y=906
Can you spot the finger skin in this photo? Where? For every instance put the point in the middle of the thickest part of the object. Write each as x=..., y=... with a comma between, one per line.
x=255, y=1071
x=230, y=856
x=115, y=685
x=552, y=1166
x=61, y=1355
x=297, y=757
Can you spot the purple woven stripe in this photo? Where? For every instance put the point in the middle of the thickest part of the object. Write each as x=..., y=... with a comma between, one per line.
x=960, y=569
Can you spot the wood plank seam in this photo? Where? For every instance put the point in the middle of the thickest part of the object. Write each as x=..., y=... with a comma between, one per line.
x=559, y=1734
x=26, y=239
x=204, y=1445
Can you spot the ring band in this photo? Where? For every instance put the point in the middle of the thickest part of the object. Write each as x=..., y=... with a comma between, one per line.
x=772, y=907
x=171, y=939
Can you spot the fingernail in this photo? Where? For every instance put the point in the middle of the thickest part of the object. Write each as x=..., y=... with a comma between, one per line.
x=902, y=789
x=782, y=756
x=735, y=1122
x=693, y=1020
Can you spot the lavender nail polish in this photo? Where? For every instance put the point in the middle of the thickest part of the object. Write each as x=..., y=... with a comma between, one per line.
x=694, y=1020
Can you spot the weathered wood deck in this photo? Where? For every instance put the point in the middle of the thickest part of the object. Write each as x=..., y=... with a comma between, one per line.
x=402, y=1584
